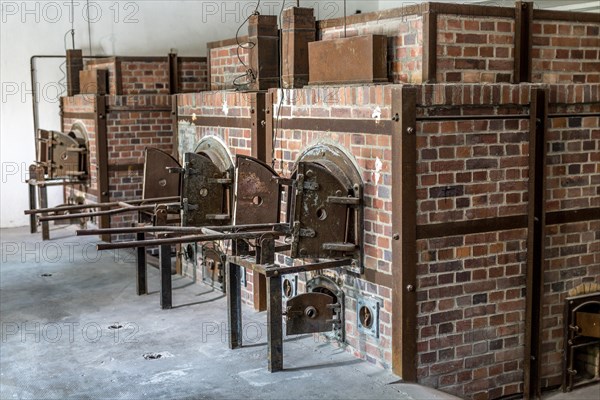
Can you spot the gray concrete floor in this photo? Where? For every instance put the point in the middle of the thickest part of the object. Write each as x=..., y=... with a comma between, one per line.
x=591, y=392
x=56, y=341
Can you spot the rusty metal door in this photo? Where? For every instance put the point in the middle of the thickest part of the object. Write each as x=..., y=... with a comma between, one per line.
x=309, y=313
x=323, y=222
x=205, y=192
x=62, y=155
x=258, y=196
x=158, y=181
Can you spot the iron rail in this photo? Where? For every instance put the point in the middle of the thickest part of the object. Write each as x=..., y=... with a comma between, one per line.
x=178, y=229
x=188, y=239
x=100, y=205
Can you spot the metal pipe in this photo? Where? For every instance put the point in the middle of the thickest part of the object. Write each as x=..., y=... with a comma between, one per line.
x=186, y=239
x=584, y=115
x=177, y=229
x=345, y=17
x=34, y=93
x=100, y=205
x=470, y=117
x=46, y=218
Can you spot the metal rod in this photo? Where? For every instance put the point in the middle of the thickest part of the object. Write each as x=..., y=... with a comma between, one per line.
x=177, y=229
x=345, y=17
x=101, y=205
x=166, y=289
x=470, y=117
x=186, y=239
x=96, y=213
x=584, y=115
x=505, y=116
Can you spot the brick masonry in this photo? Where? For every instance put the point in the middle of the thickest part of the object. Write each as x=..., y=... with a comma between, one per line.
x=566, y=52
x=470, y=288
x=133, y=123
x=225, y=65
x=474, y=50
x=150, y=75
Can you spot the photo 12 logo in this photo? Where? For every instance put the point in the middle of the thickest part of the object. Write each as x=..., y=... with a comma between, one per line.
x=69, y=332
x=239, y=11
x=53, y=12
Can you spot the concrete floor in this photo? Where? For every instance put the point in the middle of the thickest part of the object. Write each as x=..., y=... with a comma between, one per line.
x=56, y=340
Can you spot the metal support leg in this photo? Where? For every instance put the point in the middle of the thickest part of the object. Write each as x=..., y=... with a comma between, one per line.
x=142, y=281
x=234, y=305
x=166, y=293
x=274, y=324
x=44, y=204
x=32, y=206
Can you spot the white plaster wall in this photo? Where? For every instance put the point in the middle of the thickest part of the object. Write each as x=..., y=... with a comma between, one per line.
x=128, y=28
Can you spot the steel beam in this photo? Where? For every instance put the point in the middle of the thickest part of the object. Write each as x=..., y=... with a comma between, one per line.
x=404, y=226
x=166, y=291
x=142, y=281
x=536, y=238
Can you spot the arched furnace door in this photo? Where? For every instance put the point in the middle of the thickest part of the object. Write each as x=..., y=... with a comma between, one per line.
x=327, y=212
x=258, y=195
x=63, y=156
x=206, y=192
x=158, y=180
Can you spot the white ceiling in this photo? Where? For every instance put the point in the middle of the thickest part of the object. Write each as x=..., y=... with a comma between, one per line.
x=559, y=5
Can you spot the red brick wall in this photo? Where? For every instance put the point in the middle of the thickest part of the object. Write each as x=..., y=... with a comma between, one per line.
x=133, y=123
x=140, y=77
x=470, y=288
x=471, y=300
x=193, y=76
x=475, y=49
x=566, y=52
x=573, y=182
x=225, y=65
x=405, y=44
x=128, y=135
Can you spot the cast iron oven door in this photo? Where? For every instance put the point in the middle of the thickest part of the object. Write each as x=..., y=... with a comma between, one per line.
x=309, y=313
x=158, y=182
x=326, y=212
x=63, y=156
x=206, y=191
x=213, y=270
x=258, y=196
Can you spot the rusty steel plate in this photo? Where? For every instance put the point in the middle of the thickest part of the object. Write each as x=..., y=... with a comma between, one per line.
x=309, y=313
x=93, y=81
x=358, y=59
x=258, y=196
x=213, y=267
x=589, y=324
x=205, y=199
x=62, y=155
x=319, y=221
x=158, y=181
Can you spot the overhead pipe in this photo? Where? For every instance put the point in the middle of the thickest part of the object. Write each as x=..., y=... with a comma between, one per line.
x=34, y=92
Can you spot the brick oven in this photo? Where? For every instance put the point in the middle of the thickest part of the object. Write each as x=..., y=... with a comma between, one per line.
x=477, y=165
x=478, y=189
x=123, y=105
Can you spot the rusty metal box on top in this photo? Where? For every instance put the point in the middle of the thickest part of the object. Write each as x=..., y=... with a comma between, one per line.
x=93, y=81
x=358, y=59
